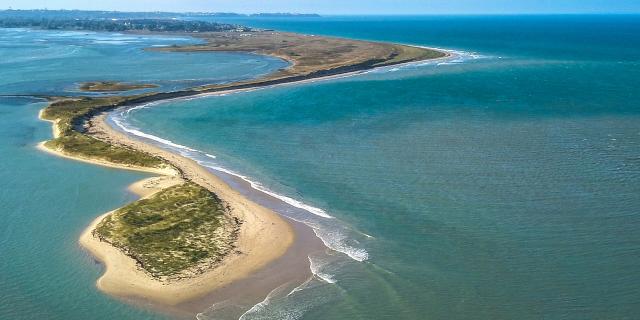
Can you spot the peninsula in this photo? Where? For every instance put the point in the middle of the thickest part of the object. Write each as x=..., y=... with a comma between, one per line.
x=191, y=233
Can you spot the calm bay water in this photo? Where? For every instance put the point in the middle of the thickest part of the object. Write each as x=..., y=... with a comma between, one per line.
x=504, y=184
x=45, y=62
x=46, y=201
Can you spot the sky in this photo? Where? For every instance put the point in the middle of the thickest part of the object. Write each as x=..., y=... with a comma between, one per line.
x=342, y=6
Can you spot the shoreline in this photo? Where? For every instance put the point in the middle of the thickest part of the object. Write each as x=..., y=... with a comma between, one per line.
x=262, y=83
x=181, y=95
x=156, y=171
x=268, y=244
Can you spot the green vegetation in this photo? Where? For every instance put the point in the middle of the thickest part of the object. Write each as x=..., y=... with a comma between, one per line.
x=68, y=112
x=85, y=146
x=178, y=232
x=69, y=115
x=402, y=54
x=178, y=228
x=110, y=86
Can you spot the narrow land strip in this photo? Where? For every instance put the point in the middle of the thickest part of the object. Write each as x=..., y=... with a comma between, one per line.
x=258, y=236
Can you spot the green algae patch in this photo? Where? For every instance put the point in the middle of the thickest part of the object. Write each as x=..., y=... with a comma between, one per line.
x=178, y=232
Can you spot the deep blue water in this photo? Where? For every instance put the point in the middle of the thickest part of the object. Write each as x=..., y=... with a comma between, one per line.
x=504, y=184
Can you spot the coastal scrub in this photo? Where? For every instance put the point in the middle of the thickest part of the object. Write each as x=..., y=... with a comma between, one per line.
x=69, y=115
x=178, y=231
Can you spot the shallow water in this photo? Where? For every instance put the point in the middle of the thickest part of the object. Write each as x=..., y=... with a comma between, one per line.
x=46, y=62
x=45, y=204
x=46, y=201
x=502, y=184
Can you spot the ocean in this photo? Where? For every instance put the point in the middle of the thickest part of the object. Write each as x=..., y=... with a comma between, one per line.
x=501, y=184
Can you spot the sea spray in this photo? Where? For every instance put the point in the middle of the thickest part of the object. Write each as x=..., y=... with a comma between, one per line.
x=296, y=303
x=262, y=305
x=258, y=186
x=316, y=266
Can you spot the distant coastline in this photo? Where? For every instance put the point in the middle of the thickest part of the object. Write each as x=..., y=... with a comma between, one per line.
x=98, y=14
x=80, y=130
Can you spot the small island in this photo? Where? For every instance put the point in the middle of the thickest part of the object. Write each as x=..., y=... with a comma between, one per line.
x=177, y=233
x=113, y=86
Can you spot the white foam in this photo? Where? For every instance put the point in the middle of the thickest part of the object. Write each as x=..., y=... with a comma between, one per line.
x=316, y=269
x=142, y=106
x=256, y=308
x=455, y=57
x=335, y=240
x=333, y=237
x=257, y=186
x=150, y=136
x=264, y=303
x=301, y=287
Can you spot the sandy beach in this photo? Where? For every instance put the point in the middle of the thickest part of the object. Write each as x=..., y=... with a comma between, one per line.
x=264, y=235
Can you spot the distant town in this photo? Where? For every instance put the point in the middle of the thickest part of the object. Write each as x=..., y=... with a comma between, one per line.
x=81, y=14
x=121, y=25
x=116, y=21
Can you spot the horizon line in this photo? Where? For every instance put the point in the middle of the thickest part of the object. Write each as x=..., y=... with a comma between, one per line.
x=488, y=13
x=338, y=14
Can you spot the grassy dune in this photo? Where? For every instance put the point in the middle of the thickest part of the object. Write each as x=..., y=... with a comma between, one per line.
x=69, y=115
x=170, y=232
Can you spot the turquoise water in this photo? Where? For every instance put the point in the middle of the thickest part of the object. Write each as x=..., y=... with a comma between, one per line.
x=503, y=184
x=46, y=201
